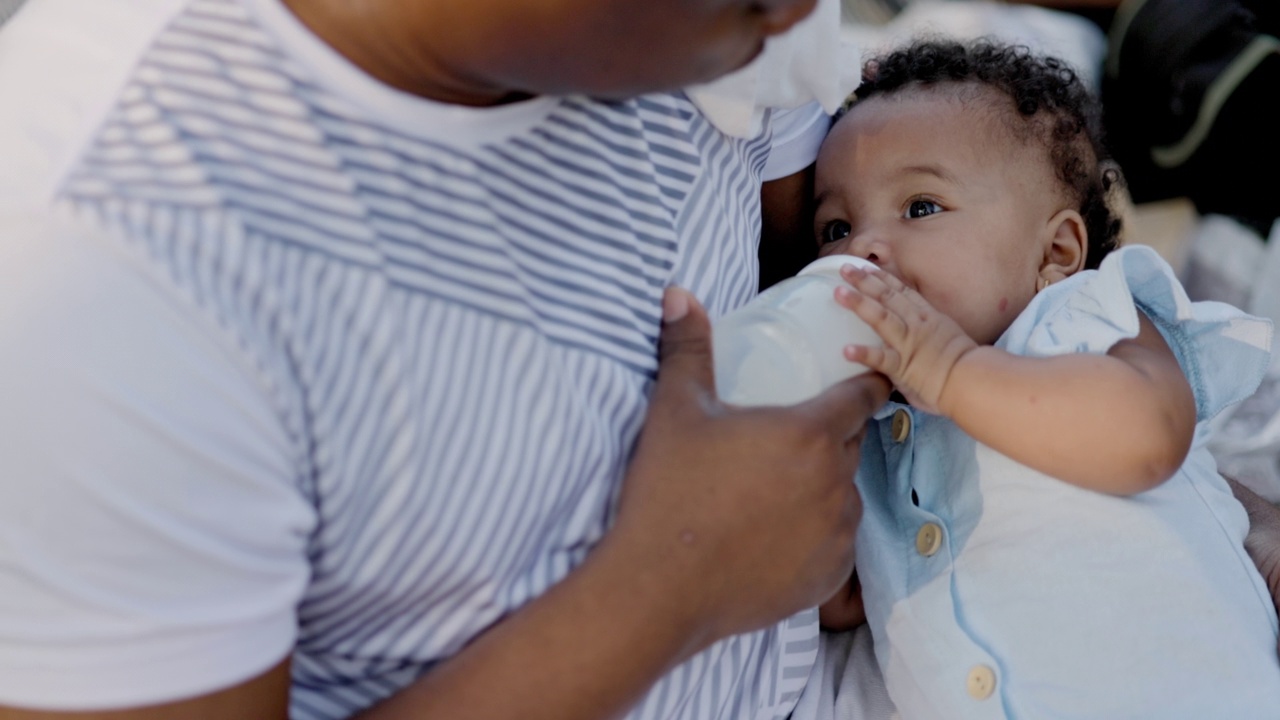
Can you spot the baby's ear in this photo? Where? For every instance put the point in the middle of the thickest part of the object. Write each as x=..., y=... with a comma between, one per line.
x=1066, y=246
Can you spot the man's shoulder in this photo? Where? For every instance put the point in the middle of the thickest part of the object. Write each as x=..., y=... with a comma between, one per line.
x=121, y=406
x=63, y=64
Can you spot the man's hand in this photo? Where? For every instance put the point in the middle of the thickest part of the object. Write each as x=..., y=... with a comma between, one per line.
x=921, y=345
x=748, y=514
x=844, y=611
x=729, y=520
x=1263, y=540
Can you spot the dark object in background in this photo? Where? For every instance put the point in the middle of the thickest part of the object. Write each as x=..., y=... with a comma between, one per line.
x=8, y=8
x=1189, y=95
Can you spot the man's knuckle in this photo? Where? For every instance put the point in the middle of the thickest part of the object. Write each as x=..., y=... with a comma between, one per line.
x=824, y=437
x=678, y=346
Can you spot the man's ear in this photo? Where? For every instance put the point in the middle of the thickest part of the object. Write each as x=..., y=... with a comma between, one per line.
x=1066, y=246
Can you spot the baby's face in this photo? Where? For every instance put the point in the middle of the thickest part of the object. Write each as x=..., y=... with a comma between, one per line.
x=933, y=187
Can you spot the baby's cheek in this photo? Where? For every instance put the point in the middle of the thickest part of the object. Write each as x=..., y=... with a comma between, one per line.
x=1005, y=311
x=839, y=247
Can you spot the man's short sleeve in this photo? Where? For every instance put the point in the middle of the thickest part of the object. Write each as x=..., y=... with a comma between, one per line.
x=797, y=135
x=152, y=532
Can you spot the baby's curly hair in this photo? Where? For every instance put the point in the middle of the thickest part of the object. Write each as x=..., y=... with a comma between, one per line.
x=1071, y=127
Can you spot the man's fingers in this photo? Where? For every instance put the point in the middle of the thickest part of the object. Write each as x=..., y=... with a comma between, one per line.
x=845, y=407
x=684, y=349
x=1252, y=503
x=1263, y=540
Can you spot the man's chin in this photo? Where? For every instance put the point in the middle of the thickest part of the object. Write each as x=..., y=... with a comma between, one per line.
x=710, y=74
x=742, y=63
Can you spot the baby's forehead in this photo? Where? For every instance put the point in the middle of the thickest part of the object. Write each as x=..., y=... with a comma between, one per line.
x=973, y=100
x=978, y=106
x=972, y=132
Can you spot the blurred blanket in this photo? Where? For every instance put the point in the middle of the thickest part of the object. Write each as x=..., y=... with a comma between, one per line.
x=1229, y=262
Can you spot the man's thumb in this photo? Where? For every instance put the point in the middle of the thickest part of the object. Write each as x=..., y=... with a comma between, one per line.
x=684, y=349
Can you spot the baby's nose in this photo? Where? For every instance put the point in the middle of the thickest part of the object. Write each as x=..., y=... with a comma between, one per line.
x=869, y=246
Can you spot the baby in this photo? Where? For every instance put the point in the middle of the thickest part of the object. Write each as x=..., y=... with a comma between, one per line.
x=1045, y=534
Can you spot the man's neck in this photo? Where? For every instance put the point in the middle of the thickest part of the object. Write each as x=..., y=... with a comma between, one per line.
x=391, y=41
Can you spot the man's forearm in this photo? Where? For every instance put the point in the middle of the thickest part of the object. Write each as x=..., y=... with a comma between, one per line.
x=589, y=648
x=265, y=697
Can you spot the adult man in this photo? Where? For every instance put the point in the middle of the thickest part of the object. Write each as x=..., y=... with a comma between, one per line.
x=328, y=335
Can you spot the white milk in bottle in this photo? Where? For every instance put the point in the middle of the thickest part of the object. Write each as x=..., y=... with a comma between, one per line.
x=786, y=345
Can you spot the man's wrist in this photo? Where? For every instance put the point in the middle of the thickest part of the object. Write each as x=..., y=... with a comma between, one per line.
x=651, y=583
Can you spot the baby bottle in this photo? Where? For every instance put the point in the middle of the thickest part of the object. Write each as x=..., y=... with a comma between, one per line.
x=786, y=345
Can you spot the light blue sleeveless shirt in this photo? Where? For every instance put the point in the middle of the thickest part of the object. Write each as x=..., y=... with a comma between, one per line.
x=995, y=591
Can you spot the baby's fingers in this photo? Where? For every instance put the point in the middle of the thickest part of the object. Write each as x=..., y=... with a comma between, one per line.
x=882, y=359
x=887, y=324
x=887, y=289
x=871, y=282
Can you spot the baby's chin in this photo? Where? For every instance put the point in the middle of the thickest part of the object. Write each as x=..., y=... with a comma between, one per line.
x=987, y=336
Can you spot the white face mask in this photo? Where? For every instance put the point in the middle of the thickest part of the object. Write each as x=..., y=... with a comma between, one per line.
x=809, y=62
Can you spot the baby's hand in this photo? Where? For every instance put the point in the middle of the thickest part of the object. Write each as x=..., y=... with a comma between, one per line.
x=921, y=345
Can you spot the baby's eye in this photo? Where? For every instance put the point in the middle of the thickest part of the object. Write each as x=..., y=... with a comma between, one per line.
x=835, y=230
x=922, y=208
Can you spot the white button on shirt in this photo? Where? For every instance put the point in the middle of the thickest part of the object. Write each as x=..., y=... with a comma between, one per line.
x=981, y=682
x=901, y=425
x=929, y=539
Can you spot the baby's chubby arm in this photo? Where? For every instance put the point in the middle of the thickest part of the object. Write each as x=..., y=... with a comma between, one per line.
x=1118, y=423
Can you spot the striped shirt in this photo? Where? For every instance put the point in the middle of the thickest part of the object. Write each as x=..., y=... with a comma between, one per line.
x=448, y=318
